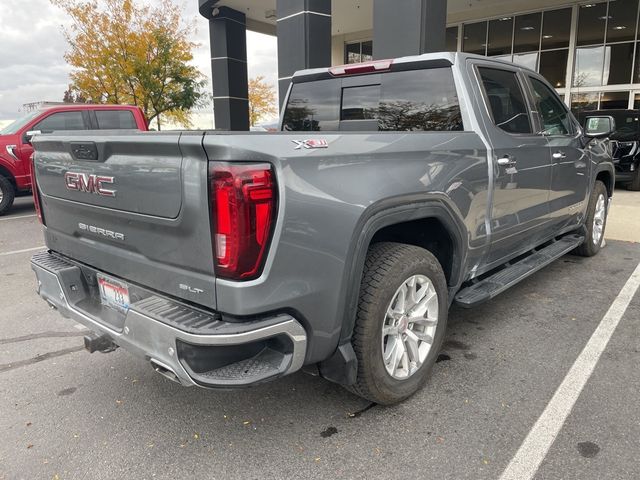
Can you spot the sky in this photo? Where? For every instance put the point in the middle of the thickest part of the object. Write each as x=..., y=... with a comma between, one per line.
x=32, y=47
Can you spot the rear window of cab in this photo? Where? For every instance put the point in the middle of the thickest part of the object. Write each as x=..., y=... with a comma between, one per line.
x=414, y=100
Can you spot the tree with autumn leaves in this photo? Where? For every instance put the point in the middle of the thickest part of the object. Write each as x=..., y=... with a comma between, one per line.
x=262, y=100
x=126, y=53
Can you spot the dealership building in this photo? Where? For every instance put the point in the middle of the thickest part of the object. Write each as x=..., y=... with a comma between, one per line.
x=587, y=50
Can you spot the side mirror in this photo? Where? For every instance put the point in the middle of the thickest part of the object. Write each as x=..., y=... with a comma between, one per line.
x=30, y=134
x=596, y=127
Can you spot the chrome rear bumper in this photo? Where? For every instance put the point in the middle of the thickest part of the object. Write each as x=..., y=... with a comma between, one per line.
x=244, y=353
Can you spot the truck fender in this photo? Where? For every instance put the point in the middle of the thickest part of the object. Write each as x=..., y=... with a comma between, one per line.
x=341, y=367
x=604, y=167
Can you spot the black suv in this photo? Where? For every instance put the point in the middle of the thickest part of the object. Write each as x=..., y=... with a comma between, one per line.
x=625, y=143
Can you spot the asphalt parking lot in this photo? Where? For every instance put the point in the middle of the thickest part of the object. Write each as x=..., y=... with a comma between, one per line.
x=65, y=414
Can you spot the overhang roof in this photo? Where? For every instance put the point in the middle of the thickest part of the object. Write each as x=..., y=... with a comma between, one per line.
x=349, y=16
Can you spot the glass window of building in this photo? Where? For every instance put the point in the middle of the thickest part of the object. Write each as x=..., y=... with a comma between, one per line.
x=614, y=100
x=621, y=22
x=556, y=28
x=636, y=70
x=553, y=67
x=581, y=102
x=618, y=59
x=358, y=52
x=529, y=60
x=474, y=39
x=588, y=67
x=526, y=34
x=367, y=51
x=606, y=39
x=500, y=36
x=592, y=21
x=538, y=41
x=352, y=53
x=636, y=101
x=451, y=39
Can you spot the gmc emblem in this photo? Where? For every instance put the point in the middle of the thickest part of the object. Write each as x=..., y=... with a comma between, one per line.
x=89, y=183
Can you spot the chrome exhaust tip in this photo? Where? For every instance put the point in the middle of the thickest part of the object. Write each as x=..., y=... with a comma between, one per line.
x=165, y=371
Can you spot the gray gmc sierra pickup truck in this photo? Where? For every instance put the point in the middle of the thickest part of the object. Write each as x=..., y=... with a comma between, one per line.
x=338, y=245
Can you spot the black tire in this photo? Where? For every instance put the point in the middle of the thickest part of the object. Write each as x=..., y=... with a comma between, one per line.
x=8, y=194
x=634, y=185
x=387, y=266
x=589, y=248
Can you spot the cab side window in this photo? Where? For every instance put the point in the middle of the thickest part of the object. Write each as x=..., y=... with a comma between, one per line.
x=61, y=121
x=554, y=115
x=505, y=100
x=115, y=120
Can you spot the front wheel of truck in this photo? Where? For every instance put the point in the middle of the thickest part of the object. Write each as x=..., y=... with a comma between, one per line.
x=7, y=194
x=595, y=222
x=401, y=320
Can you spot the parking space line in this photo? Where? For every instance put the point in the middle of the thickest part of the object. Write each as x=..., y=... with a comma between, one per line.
x=527, y=460
x=16, y=218
x=22, y=251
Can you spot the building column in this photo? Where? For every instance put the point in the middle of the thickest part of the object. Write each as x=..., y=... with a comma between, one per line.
x=408, y=27
x=304, y=38
x=228, y=36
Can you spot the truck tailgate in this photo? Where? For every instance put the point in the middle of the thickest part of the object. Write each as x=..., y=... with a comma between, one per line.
x=132, y=205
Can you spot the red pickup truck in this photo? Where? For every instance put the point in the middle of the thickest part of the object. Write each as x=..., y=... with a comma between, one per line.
x=15, y=139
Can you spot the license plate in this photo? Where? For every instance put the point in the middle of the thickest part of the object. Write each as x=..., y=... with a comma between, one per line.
x=113, y=293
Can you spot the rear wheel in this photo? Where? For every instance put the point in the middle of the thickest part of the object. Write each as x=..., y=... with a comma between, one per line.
x=402, y=317
x=596, y=221
x=7, y=195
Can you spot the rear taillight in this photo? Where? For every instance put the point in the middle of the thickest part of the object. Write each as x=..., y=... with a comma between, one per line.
x=34, y=188
x=243, y=205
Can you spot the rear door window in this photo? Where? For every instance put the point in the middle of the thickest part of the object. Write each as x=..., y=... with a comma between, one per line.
x=415, y=100
x=115, y=120
x=555, y=116
x=505, y=100
x=61, y=121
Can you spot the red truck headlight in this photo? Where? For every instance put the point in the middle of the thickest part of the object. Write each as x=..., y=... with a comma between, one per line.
x=243, y=208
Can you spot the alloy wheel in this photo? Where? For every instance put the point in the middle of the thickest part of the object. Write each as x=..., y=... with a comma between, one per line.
x=598, y=220
x=409, y=327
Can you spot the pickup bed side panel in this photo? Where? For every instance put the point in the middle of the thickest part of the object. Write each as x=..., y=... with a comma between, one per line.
x=324, y=194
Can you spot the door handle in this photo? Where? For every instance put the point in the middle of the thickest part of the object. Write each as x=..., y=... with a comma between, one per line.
x=506, y=161
x=12, y=150
x=559, y=155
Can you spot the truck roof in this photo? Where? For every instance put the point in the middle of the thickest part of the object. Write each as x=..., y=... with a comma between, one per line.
x=86, y=106
x=609, y=111
x=428, y=59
